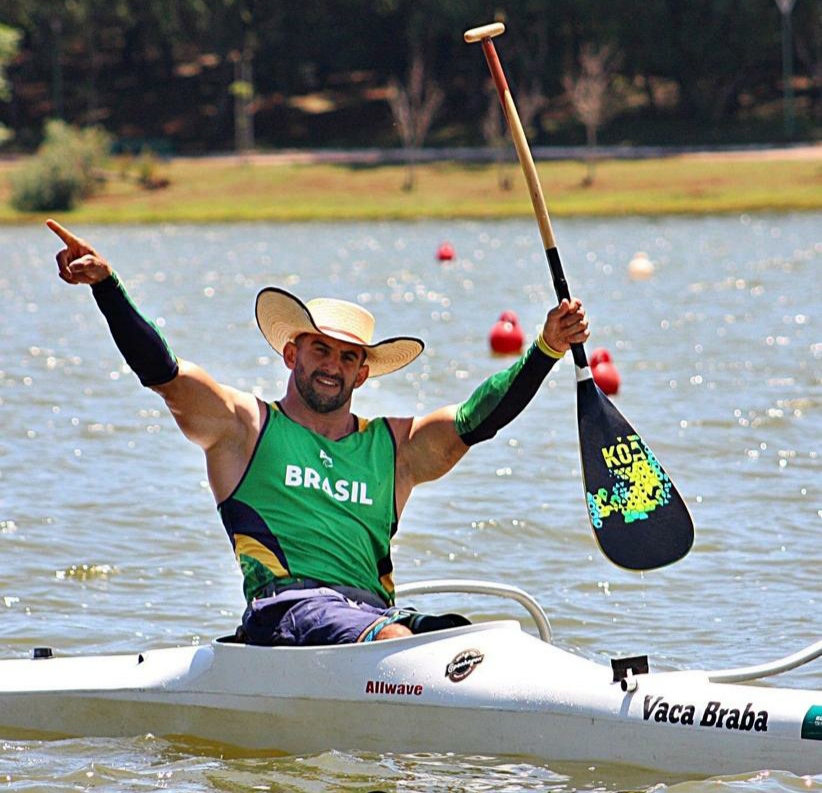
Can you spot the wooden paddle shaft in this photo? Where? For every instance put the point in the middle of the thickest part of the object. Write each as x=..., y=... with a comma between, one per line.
x=484, y=35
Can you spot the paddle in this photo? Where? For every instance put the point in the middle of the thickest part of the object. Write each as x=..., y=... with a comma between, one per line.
x=639, y=519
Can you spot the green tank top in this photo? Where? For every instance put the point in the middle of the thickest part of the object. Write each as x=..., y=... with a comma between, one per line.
x=311, y=507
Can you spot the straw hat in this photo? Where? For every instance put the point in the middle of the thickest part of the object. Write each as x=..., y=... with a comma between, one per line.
x=282, y=317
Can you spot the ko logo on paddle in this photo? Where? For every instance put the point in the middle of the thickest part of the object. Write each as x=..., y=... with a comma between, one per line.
x=640, y=485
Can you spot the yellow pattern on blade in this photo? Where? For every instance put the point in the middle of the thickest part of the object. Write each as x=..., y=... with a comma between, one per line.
x=641, y=485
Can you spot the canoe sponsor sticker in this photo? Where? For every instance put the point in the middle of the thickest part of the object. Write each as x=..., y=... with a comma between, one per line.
x=640, y=485
x=714, y=714
x=394, y=689
x=463, y=664
x=812, y=723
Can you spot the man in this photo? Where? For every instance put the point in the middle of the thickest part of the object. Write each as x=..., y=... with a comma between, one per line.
x=310, y=494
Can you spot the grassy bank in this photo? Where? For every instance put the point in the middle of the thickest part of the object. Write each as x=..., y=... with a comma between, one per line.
x=225, y=189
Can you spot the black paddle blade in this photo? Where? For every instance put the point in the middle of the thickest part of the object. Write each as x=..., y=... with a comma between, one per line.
x=639, y=519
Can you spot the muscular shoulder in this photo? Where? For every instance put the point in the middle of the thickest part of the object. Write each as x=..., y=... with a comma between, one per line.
x=209, y=412
x=427, y=446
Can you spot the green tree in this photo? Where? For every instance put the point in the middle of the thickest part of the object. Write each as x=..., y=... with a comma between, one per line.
x=65, y=170
x=154, y=69
x=9, y=44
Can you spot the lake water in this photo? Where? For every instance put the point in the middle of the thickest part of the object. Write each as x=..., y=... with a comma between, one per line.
x=109, y=538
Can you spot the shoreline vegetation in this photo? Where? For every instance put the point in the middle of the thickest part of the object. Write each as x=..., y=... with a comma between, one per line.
x=367, y=186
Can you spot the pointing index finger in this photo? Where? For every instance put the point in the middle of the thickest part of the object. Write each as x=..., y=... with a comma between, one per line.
x=63, y=233
x=75, y=246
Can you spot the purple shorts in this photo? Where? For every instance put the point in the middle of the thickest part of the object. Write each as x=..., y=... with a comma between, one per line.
x=298, y=617
x=312, y=616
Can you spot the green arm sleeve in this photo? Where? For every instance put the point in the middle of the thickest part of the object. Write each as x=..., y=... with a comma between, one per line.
x=502, y=397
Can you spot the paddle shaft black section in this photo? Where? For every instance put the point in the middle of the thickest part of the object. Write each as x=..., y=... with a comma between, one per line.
x=563, y=293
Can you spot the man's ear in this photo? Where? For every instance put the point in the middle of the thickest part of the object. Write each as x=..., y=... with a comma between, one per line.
x=290, y=354
x=362, y=375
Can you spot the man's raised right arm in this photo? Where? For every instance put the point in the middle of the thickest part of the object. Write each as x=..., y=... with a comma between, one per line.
x=206, y=411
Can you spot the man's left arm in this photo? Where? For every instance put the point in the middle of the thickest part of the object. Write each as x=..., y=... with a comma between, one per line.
x=430, y=446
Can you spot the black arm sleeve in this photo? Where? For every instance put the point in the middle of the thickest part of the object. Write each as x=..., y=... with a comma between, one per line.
x=138, y=339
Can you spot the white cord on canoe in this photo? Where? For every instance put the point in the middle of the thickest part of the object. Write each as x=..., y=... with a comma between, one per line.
x=744, y=673
x=529, y=603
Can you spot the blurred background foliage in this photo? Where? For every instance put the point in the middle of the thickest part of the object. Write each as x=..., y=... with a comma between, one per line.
x=196, y=76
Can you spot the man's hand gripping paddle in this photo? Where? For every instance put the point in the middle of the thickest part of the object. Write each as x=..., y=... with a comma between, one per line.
x=639, y=519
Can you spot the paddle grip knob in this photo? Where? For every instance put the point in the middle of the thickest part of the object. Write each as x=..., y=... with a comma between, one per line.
x=484, y=32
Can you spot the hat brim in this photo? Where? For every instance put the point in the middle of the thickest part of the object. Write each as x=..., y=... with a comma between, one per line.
x=282, y=317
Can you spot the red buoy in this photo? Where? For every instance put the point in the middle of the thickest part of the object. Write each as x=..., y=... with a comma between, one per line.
x=599, y=355
x=506, y=336
x=445, y=252
x=606, y=377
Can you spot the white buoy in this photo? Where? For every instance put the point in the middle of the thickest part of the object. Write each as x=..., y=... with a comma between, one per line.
x=640, y=267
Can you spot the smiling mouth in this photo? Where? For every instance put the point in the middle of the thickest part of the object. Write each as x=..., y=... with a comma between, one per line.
x=328, y=381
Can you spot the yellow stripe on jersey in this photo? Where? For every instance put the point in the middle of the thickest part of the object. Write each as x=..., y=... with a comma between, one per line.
x=248, y=546
x=387, y=582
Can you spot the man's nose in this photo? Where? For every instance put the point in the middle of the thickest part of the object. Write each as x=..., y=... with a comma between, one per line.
x=333, y=363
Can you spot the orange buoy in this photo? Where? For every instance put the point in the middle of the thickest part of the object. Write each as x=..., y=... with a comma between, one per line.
x=606, y=377
x=445, y=252
x=506, y=336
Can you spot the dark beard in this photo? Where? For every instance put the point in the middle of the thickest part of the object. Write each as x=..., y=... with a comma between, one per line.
x=319, y=402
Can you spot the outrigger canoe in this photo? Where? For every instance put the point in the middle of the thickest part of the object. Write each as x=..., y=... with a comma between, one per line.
x=487, y=688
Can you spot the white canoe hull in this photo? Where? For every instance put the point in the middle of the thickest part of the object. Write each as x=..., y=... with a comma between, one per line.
x=508, y=693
